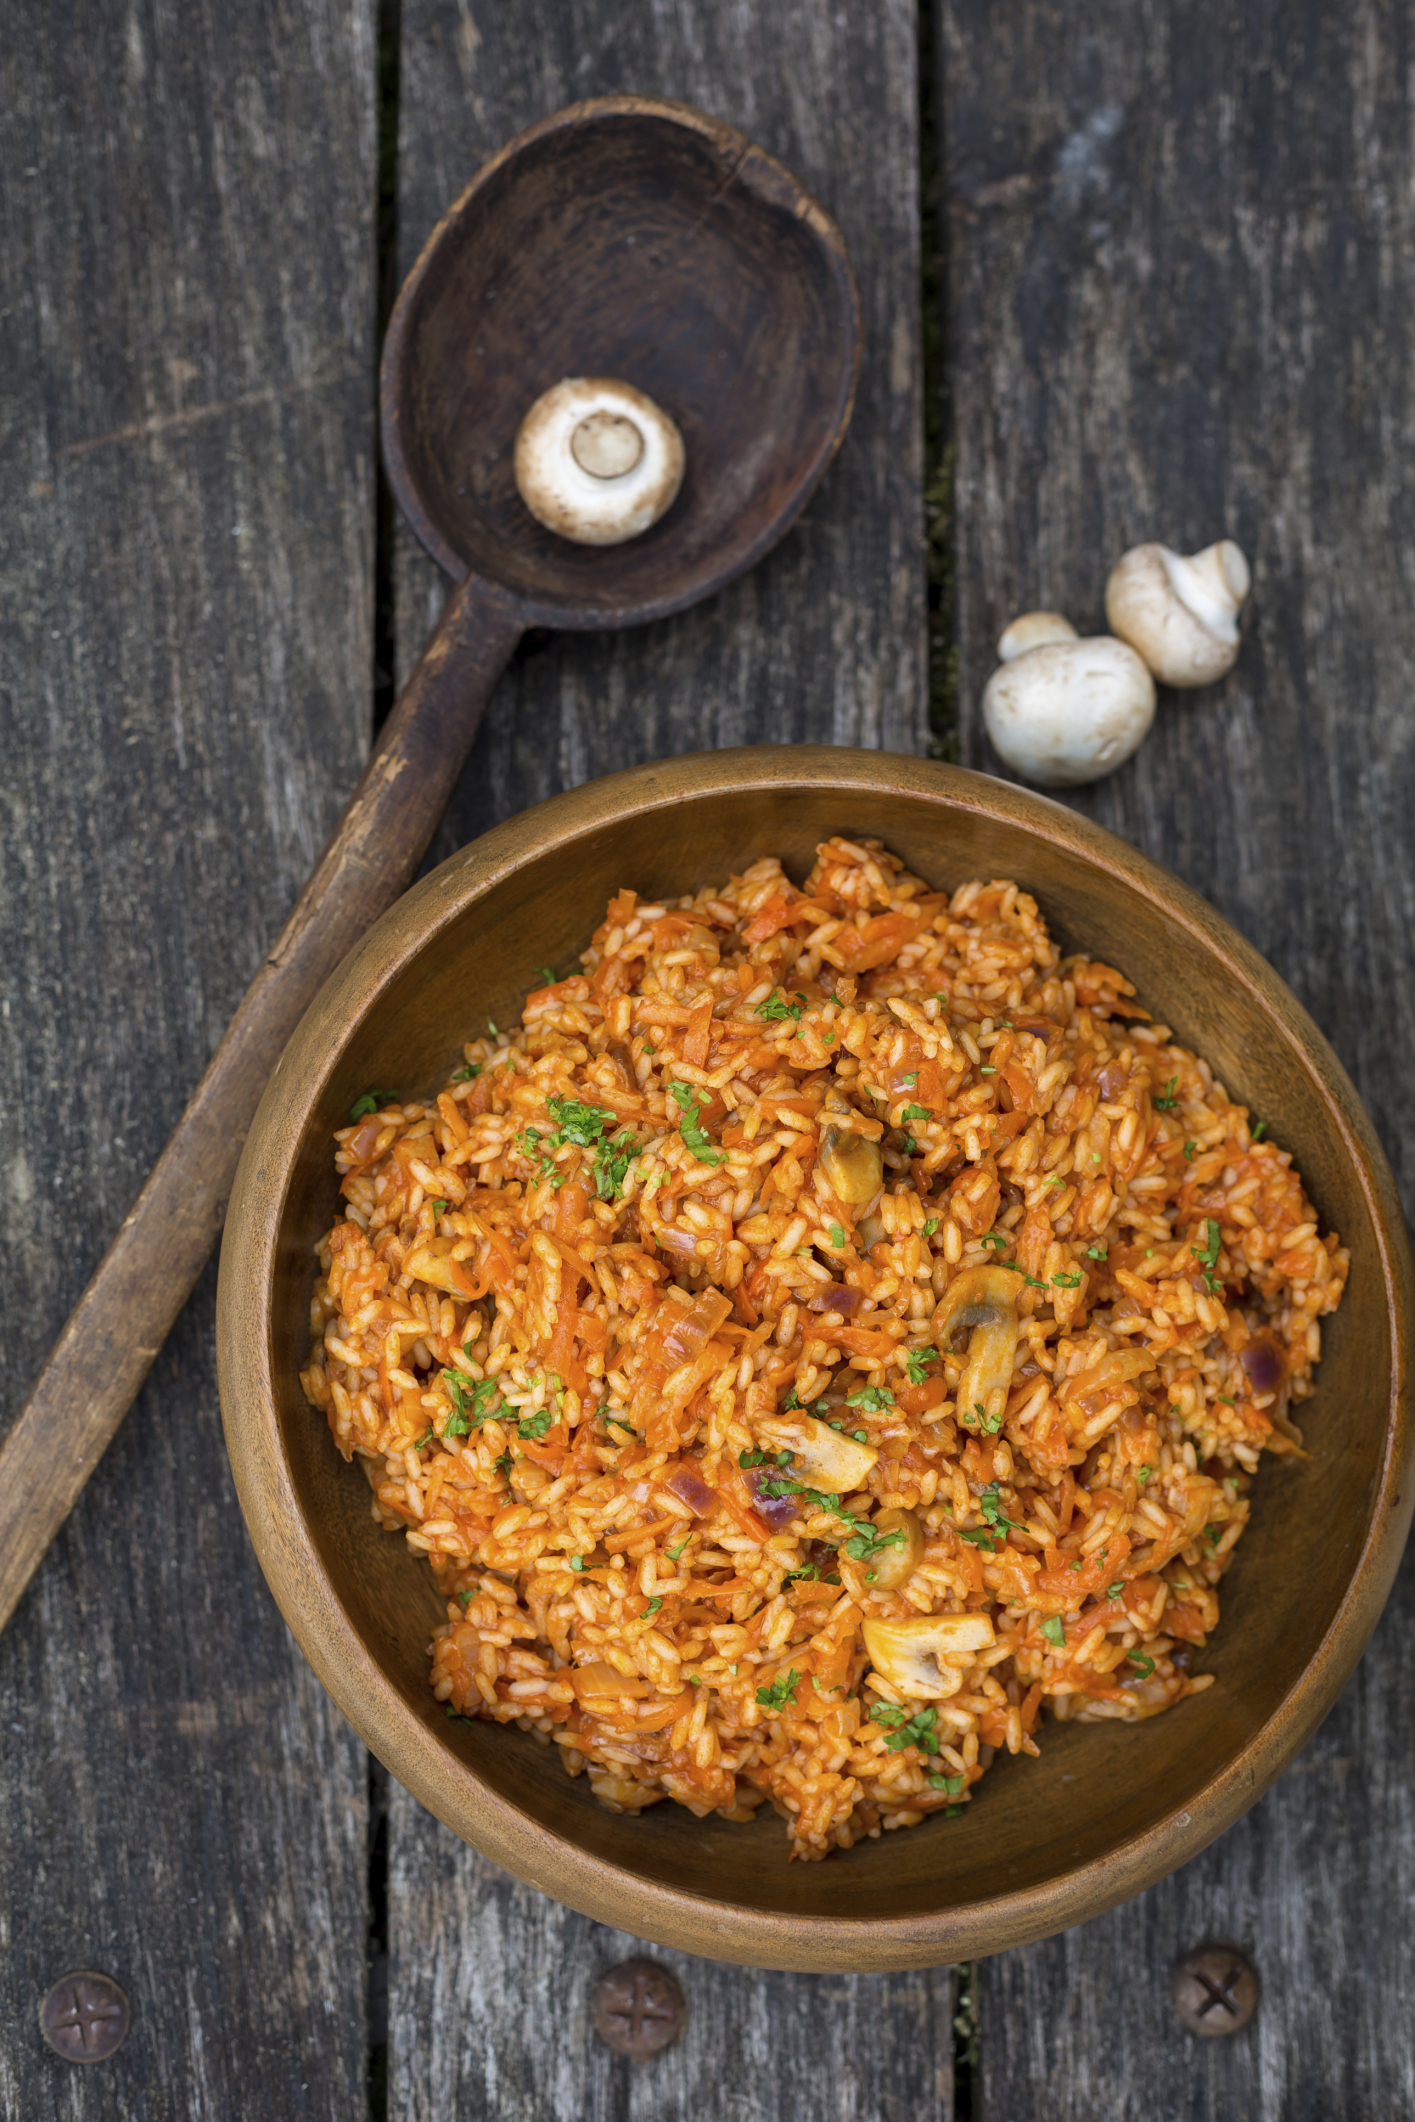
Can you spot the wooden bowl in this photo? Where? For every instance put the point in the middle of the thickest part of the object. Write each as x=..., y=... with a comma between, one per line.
x=1107, y=1809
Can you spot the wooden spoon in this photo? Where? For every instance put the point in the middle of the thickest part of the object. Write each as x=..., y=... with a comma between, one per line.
x=621, y=237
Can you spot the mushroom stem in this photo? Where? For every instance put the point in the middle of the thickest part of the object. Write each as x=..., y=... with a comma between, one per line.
x=984, y=1298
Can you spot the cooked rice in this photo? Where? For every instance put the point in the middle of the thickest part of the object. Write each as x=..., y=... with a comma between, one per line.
x=553, y=1332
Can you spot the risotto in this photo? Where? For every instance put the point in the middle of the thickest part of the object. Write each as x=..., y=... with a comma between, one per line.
x=831, y=1327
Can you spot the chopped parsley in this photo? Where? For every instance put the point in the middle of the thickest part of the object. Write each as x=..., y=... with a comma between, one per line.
x=695, y=1137
x=917, y=1112
x=577, y=1122
x=991, y=1423
x=674, y=1552
x=1165, y=1099
x=776, y=1009
x=1113, y=1591
x=951, y=1784
x=995, y=1238
x=985, y=1070
x=491, y=1028
x=653, y=1606
x=918, y=1363
x=1258, y=1130
x=468, y=1415
x=867, y=1545
x=837, y=1237
x=1208, y=1256
x=905, y=1730
x=611, y=1164
x=466, y=1597
x=533, y=1427
x=779, y=1693
x=548, y=970
x=1072, y=1281
x=1143, y=1665
x=468, y=1074
x=503, y=1465
x=1097, y=1252
x=872, y=1398
x=371, y=1102
x=907, y=1083
x=907, y=1143
x=1189, y=1150
x=628, y=1426
x=1054, y=1629
x=931, y=1226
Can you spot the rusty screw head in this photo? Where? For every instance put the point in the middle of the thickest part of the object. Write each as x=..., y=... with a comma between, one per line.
x=638, y=2008
x=85, y=2017
x=1215, y=1989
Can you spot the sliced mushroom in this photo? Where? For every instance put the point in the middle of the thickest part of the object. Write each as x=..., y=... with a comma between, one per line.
x=821, y=1457
x=853, y=1165
x=924, y=1659
x=891, y=1567
x=985, y=1299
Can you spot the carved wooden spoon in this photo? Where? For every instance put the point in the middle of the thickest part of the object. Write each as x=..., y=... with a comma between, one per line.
x=621, y=237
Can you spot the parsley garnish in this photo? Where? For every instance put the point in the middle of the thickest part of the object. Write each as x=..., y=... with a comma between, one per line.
x=371, y=1102
x=1068, y=1281
x=1166, y=1100
x=905, y=1730
x=577, y=1561
x=985, y=1070
x=466, y=1597
x=696, y=1138
x=1097, y=1252
x=548, y=970
x=503, y=1465
x=1189, y=1149
x=917, y=1112
x=1054, y=1629
x=674, y=1552
x=907, y=1143
x=779, y=1693
x=653, y=1606
x=931, y=1226
x=992, y=1423
x=994, y=1238
x=1113, y=1591
x=534, y=1427
x=622, y=1425
x=1144, y=1666
x=918, y=1363
x=952, y=1784
x=866, y=1545
x=777, y=1009
x=1258, y=1130
x=467, y=1074
x=837, y=1237
x=872, y=1398
x=577, y=1122
x=611, y=1164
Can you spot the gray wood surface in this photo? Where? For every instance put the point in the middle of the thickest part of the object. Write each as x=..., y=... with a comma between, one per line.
x=1181, y=306
x=823, y=641
x=185, y=549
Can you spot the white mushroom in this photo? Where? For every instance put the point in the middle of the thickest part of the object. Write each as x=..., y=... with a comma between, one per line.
x=820, y=1455
x=597, y=461
x=1063, y=711
x=1180, y=613
x=923, y=1659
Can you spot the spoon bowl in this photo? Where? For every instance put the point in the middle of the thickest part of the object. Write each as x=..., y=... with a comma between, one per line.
x=638, y=239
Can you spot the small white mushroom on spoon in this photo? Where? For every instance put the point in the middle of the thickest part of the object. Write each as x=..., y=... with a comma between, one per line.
x=1180, y=613
x=597, y=461
x=1062, y=711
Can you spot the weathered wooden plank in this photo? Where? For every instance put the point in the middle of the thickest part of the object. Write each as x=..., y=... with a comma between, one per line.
x=1176, y=312
x=185, y=546
x=491, y=1990
x=823, y=641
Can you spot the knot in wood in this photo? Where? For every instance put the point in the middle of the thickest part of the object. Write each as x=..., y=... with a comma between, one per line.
x=1215, y=1989
x=85, y=2017
x=638, y=2008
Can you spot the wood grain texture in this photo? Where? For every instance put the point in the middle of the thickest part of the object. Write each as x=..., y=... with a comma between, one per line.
x=492, y=1984
x=1175, y=312
x=184, y=566
x=822, y=641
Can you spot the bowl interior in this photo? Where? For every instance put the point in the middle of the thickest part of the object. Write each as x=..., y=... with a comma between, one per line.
x=1095, y=1790
x=649, y=246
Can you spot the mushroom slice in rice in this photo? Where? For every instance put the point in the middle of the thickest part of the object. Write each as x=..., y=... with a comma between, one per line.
x=820, y=1456
x=924, y=1659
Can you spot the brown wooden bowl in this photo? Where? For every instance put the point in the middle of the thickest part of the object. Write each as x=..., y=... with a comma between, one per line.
x=1107, y=1809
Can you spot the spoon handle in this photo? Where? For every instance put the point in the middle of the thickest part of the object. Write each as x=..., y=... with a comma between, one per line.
x=122, y=1319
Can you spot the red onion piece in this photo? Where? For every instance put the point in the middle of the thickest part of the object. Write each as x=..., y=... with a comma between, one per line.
x=689, y=1334
x=837, y=1297
x=1263, y=1364
x=1110, y=1082
x=777, y=1510
x=689, y=1487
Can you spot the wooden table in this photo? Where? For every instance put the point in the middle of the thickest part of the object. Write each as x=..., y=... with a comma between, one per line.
x=1173, y=297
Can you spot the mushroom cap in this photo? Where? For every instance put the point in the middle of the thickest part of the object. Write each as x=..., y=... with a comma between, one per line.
x=597, y=461
x=1070, y=711
x=1180, y=612
x=1033, y=630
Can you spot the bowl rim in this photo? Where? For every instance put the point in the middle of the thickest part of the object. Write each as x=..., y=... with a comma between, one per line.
x=412, y=1751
